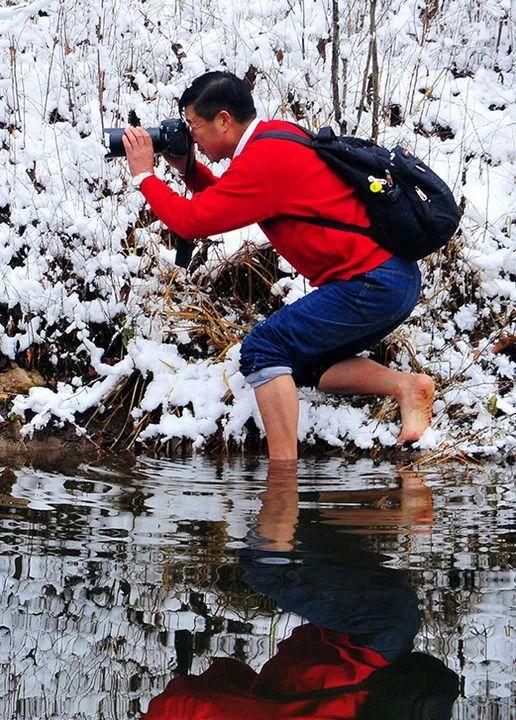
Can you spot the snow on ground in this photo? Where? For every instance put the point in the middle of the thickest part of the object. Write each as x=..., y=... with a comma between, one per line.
x=78, y=253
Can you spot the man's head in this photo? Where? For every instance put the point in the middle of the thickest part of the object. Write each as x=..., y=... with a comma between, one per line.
x=217, y=108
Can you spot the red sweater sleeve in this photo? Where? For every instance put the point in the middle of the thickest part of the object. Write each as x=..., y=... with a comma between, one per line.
x=242, y=196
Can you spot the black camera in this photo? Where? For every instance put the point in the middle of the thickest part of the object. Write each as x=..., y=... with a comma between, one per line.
x=170, y=137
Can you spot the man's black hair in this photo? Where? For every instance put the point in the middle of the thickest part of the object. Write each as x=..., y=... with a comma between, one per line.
x=215, y=91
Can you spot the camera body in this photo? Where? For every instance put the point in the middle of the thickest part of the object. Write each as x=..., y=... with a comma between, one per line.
x=174, y=138
x=171, y=137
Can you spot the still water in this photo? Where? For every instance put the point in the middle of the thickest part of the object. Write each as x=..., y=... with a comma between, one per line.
x=197, y=589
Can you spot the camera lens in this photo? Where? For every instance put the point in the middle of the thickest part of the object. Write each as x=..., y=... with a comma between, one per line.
x=116, y=148
x=172, y=137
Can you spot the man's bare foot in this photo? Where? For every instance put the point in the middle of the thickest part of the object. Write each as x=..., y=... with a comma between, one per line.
x=415, y=400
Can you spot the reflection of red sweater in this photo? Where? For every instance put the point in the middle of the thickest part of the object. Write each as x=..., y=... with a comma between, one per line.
x=311, y=659
x=268, y=179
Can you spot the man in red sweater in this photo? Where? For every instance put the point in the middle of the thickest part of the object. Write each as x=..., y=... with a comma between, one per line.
x=363, y=292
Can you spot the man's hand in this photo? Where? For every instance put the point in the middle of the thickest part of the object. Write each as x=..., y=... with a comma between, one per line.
x=182, y=163
x=138, y=148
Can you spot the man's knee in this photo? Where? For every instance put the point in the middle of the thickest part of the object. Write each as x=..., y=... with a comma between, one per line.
x=261, y=360
x=248, y=354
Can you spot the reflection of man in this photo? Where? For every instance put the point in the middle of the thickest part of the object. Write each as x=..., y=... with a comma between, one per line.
x=363, y=291
x=350, y=660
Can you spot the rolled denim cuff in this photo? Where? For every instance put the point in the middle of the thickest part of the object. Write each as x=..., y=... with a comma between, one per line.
x=260, y=377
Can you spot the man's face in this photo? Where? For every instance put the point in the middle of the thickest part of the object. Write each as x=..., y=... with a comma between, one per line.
x=210, y=136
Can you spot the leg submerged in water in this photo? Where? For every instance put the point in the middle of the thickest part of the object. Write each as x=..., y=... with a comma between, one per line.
x=414, y=393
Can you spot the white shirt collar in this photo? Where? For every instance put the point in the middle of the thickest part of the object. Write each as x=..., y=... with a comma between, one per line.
x=245, y=137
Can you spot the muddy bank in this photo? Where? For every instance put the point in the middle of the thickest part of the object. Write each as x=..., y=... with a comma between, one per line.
x=46, y=449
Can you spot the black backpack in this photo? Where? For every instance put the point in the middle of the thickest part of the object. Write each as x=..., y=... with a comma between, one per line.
x=414, y=687
x=412, y=211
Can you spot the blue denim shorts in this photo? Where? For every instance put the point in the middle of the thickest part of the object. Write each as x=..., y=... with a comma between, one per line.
x=334, y=322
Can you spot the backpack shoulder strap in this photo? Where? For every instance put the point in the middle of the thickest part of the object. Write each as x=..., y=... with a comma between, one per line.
x=309, y=142
x=323, y=693
x=284, y=135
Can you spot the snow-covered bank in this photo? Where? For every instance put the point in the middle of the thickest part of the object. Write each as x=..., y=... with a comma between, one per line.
x=89, y=293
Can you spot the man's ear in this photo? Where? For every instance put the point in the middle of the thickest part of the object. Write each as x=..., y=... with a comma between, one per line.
x=226, y=120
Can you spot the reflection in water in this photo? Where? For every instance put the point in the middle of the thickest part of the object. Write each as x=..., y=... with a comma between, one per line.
x=116, y=584
x=352, y=658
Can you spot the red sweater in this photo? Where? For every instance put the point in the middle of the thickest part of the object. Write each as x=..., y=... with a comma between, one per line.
x=311, y=659
x=268, y=180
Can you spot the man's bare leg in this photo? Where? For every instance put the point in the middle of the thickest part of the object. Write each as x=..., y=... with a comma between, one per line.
x=414, y=393
x=279, y=407
x=278, y=516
